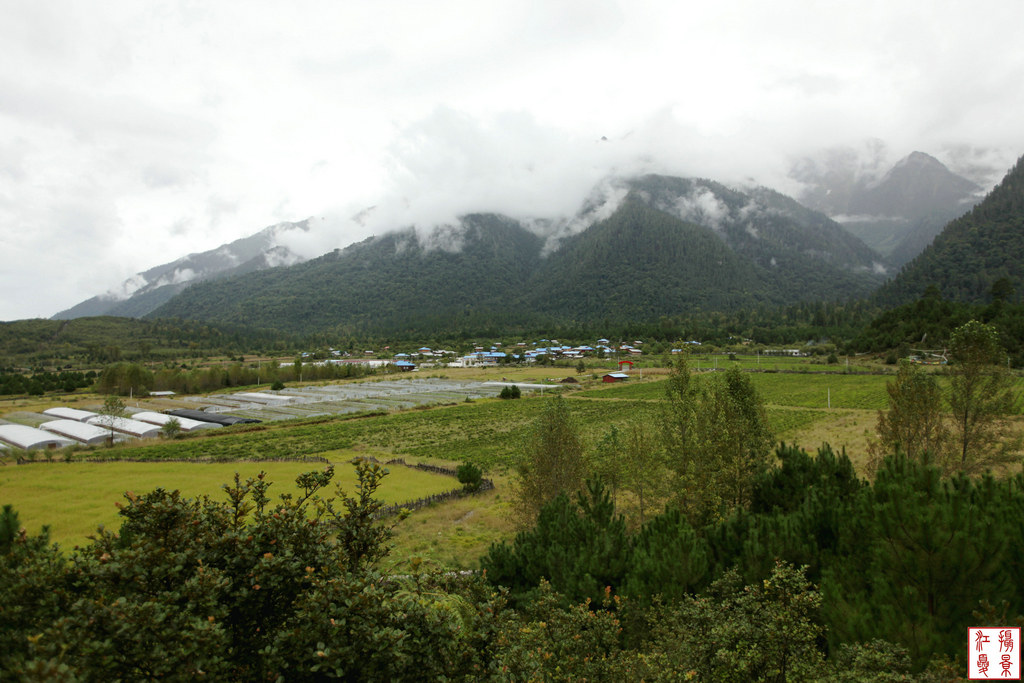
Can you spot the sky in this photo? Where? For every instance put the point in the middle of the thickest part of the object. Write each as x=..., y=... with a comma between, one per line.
x=134, y=133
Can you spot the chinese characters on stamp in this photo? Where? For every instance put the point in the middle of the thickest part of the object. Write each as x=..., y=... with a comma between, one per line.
x=993, y=654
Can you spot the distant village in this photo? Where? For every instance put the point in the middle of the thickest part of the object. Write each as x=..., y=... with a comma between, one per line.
x=522, y=353
x=544, y=349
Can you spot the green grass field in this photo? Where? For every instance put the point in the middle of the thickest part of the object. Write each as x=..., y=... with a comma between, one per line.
x=455, y=535
x=814, y=391
x=74, y=498
x=798, y=390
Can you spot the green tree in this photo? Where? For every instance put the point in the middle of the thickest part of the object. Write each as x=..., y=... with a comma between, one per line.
x=917, y=553
x=509, y=392
x=581, y=367
x=608, y=461
x=580, y=546
x=297, y=369
x=112, y=411
x=914, y=422
x=553, y=461
x=717, y=439
x=244, y=590
x=981, y=400
x=171, y=428
x=9, y=528
x=646, y=475
x=765, y=632
x=470, y=476
x=667, y=558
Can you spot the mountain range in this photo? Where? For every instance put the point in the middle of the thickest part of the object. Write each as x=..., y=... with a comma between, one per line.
x=898, y=213
x=639, y=248
x=662, y=246
x=150, y=289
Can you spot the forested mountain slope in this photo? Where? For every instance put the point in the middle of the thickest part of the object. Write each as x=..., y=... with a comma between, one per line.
x=804, y=250
x=642, y=263
x=478, y=264
x=655, y=255
x=971, y=252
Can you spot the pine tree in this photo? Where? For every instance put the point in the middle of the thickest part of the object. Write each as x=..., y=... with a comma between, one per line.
x=553, y=461
x=717, y=440
x=981, y=400
x=580, y=546
x=914, y=422
x=916, y=556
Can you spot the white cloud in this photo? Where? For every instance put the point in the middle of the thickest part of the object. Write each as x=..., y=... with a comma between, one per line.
x=132, y=133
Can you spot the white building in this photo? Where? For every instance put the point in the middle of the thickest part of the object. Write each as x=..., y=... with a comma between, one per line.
x=79, y=431
x=187, y=425
x=141, y=430
x=30, y=438
x=70, y=414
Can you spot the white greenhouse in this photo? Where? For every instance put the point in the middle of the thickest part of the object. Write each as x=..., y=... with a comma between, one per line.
x=161, y=419
x=261, y=397
x=70, y=414
x=30, y=438
x=142, y=430
x=79, y=431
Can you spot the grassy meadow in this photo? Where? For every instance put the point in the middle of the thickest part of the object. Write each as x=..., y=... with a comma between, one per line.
x=74, y=498
x=456, y=534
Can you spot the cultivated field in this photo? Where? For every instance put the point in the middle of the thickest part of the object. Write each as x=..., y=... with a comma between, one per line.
x=73, y=498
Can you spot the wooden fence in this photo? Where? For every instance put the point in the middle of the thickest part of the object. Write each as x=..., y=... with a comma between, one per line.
x=436, y=469
x=454, y=494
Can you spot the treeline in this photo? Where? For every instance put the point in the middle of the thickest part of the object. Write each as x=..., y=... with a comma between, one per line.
x=906, y=562
x=850, y=327
x=253, y=589
x=132, y=378
x=107, y=339
x=763, y=324
x=928, y=322
x=13, y=384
